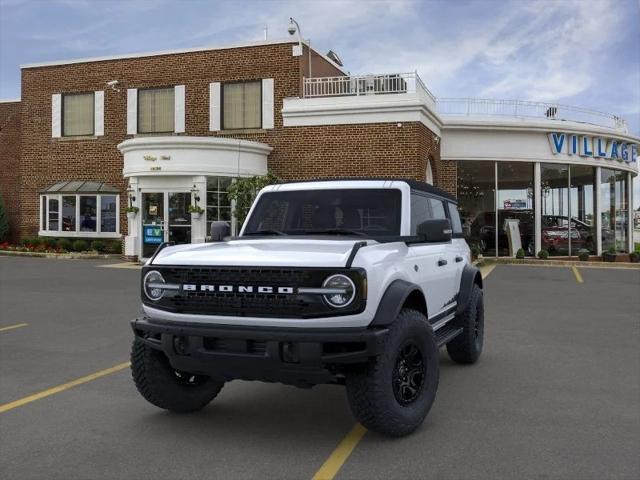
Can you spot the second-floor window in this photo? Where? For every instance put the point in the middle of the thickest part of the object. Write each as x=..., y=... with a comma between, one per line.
x=156, y=110
x=78, y=114
x=242, y=105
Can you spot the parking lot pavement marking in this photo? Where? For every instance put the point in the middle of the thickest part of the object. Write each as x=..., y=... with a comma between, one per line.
x=11, y=327
x=60, y=388
x=133, y=265
x=579, y=278
x=332, y=465
x=485, y=270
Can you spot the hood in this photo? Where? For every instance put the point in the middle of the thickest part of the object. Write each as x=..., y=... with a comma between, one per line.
x=271, y=252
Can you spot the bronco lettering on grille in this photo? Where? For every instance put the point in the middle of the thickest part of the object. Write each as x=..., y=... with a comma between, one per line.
x=192, y=287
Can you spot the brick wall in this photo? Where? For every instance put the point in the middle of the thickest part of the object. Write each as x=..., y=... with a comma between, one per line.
x=298, y=152
x=10, y=162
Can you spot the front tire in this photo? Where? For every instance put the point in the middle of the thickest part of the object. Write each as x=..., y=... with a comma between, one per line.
x=393, y=394
x=163, y=386
x=467, y=347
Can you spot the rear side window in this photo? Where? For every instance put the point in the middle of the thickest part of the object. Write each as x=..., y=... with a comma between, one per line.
x=420, y=211
x=454, y=215
x=437, y=209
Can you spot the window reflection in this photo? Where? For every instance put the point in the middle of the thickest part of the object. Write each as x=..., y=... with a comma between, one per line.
x=476, y=197
x=516, y=221
x=614, y=210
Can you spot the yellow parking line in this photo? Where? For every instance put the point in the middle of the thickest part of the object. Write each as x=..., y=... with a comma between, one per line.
x=579, y=278
x=11, y=327
x=132, y=265
x=65, y=386
x=332, y=465
x=485, y=270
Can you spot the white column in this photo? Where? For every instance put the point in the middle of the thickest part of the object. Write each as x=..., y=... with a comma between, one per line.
x=598, y=219
x=132, y=240
x=537, y=209
x=199, y=226
x=630, y=212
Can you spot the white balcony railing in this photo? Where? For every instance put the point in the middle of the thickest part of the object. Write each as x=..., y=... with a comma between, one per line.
x=356, y=85
x=521, y=108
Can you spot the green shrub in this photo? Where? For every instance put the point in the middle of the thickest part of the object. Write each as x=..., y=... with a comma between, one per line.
x=35, y=241
x=612, y=250
x=475, y=250
x=99, y=246
x=543, y=254
x=634, y=257
x=583, y=255
x=113, y=246
x=65, y=244
x=244, y=190
x=4, y=223
x=520, y=253
x=48, y=242
x=80, y=245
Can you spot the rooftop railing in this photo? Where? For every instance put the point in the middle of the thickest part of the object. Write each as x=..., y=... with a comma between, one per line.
x=356, y=85
x=399, y=83
x=520, y=108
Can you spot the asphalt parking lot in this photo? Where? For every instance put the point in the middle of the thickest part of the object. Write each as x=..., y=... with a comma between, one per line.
x=555, y=395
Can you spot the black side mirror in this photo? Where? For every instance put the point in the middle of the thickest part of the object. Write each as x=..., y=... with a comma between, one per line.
x=435, y=230
x=219, y=230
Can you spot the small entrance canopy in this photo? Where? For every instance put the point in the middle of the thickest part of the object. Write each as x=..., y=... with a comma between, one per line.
x=80, y=186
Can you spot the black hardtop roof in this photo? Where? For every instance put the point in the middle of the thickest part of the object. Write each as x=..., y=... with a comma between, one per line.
x=414, y=184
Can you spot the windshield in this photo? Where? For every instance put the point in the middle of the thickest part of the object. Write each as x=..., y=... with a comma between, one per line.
x=360, y=212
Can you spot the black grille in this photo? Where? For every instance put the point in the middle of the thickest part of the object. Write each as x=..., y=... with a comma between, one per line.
x=253, y=304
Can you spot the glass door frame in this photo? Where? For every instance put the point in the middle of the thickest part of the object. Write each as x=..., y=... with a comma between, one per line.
x=165, y=212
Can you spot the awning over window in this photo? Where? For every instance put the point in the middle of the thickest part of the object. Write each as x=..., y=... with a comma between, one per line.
x=80, y=186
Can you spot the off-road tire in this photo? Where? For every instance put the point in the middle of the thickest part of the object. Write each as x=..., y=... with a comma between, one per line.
x=164, y=387
x=467, y=347
x=370, y=388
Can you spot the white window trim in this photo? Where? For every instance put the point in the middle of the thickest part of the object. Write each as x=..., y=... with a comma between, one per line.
x=215, y=112
x=78, y=233
x=132, y=111
x=179, y=108
x=98, y=113
x=56, y=115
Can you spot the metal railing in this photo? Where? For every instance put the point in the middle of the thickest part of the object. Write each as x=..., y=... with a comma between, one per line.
x=356, y=85
x=521, y=108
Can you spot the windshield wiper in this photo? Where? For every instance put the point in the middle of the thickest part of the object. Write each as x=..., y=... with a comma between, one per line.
x=264, y=232
x=336, y=231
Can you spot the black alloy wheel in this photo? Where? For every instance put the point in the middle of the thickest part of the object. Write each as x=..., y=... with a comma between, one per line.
x=408, y=374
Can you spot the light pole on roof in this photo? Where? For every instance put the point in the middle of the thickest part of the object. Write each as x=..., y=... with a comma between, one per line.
x=294, y=28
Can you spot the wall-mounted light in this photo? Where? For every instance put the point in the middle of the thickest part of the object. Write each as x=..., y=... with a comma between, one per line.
x=132, y=197
x=195, y=193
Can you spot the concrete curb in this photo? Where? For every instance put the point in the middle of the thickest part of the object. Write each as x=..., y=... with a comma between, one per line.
x=63, y=256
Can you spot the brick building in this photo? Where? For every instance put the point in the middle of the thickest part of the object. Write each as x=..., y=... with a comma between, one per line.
x=165, y=130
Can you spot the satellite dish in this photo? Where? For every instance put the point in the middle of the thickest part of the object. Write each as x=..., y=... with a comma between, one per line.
x=333, y=56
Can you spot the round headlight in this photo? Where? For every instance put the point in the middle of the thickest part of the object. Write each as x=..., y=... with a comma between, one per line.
x=152, y=285
x=345, y=291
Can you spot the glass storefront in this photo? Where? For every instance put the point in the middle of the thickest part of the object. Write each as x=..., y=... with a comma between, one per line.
x=568, y=201
x=516, y=221
x=218, y=203
x=614, y=210
x=476, y=197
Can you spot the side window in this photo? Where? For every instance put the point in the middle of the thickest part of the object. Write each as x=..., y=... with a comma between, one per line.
x=420, y=211
x=454, y=215
x=437, y=209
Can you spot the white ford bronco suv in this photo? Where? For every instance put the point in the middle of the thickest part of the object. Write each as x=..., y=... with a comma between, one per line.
x=353, y=282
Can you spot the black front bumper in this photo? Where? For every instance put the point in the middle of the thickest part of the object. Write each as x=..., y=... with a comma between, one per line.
x=287, y=355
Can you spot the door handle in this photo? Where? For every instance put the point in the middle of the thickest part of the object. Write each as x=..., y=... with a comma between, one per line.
x=459, y=259
x=442, y=262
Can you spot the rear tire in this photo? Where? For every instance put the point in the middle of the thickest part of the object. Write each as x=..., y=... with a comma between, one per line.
x=163, y=386
x=467, y=347
x=393, y=394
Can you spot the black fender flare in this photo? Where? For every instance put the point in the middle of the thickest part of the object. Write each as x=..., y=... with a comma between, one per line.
x=470, y=276
x=393, y=300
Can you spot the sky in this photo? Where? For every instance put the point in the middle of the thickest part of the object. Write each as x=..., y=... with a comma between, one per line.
x=577, y=52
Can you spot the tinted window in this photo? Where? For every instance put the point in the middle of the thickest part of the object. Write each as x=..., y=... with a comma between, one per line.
x=437, y=209
x=375, y=212
x=420, y=211
x=454, y=215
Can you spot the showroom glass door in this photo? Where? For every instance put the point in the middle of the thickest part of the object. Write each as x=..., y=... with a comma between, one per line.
x=179, y=227
x=164, y=219
x=153, y=219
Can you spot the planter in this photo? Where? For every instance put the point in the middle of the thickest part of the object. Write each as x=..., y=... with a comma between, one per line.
x=634, y=257
x=195, y=215
x=131, y=216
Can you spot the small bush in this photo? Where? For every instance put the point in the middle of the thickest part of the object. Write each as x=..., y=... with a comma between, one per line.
x=612, y=250
x=34, y=241
x=475, y=251
x=65, y=244
x=50, y=243
x=99, y=246
x=543, y=254
x=113, y=246
x=80, y=245
x=520, y=253
x=634, y=257
x=583, y=255
x=4, y=223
